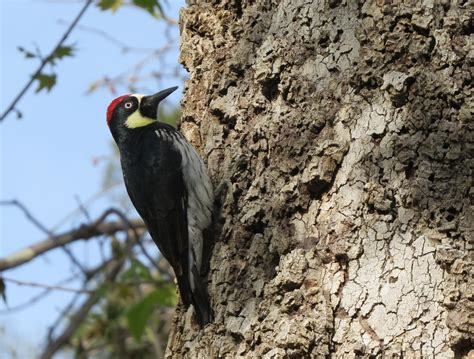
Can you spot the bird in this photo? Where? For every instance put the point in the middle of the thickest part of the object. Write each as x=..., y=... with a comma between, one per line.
x=168, y=184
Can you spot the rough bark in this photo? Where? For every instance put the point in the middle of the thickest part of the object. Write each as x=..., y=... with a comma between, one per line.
x=339, y=138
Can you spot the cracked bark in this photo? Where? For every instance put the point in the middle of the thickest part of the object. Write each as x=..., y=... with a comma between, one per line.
x=338, y=136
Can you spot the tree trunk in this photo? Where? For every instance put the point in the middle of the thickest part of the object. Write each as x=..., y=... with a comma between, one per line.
x=337, y=136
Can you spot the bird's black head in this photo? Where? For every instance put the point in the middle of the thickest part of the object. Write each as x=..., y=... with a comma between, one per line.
x=130, y=112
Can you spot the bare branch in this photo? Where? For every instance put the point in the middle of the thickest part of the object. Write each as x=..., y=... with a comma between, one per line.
x=46, y=286
x=76, y=320
x=74, y=323
x=84, y=232
x=86, y=203
x=28, y=214
x=137, y=239
x=167, y=19
x=63, y=314
x=78, y=317
x=43, y=228
x=83, y=209
x=131, y=76
x=43, y=294
x=44, y=61
x=90, y=274
x=105, y=35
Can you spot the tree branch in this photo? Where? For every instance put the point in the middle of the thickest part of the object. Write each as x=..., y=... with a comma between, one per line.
x=90, y=274
x=44, y=61
x=43, y=228
x=136, y=235
x=46, y=286
x=84, y=232
x=78, y=317
x=32, y=300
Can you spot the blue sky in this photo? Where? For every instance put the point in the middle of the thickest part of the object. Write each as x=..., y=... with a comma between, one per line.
x=47, y=157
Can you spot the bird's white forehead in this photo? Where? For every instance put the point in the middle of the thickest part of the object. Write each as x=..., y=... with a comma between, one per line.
x=137, y=96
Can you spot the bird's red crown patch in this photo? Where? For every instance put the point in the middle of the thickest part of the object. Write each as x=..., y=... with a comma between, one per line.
x=112, y=106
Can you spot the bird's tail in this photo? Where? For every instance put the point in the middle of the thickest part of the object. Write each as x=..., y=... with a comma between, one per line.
x=200, y=299
x=194, y=292
x=186, y=260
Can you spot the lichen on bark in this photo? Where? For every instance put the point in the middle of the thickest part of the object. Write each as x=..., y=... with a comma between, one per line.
x=339, y=138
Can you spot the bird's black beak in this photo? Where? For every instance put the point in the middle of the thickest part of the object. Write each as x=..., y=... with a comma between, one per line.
x=149, y=104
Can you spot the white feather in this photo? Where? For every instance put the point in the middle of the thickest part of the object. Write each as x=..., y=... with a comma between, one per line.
x=200, y=195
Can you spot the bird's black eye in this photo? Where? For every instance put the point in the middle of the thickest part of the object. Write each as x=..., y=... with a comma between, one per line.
x=128, y=104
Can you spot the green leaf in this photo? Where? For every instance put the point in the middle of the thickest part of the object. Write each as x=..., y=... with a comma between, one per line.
x=28, y=54
x=140, y=312
x=45, y=81
x=149, y=5
x=170, y=117
x=93, y=86
x=110, y=4
x=63, y=51
x=118, y=250
x=137, y=270
x=102, y=290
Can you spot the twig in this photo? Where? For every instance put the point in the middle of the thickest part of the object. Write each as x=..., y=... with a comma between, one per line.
x=35, y=298
x=106, y=265
x=63, y=314
x=131, y=75
x=83, y=209
x=113, y=40
x=44, y=61
x=167, y=19
x=43, y=228
x=84, y=232
x=78, y=318
x=137, y=239
x=86, y=203
x=47, y=286
x=49, y=289
x=27, y=214
x=90, y=274
x=129, y=240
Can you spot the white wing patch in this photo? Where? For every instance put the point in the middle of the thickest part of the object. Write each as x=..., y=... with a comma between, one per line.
x=200, y=195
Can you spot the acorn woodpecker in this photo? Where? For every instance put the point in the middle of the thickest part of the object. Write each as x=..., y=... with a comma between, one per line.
x=168, y=184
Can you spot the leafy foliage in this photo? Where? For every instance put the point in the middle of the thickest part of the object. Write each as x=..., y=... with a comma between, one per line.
x=48, y=81
x=134, y=305
x=140, y=312
x=28, y=54
x=137, y=270
x=110, y=4
x=45, y=81
x=61, y=52
x=151, y=6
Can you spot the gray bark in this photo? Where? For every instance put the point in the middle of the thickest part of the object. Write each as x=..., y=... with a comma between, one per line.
x=339, y=138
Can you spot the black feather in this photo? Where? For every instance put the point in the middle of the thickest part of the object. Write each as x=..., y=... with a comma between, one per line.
x=154, y=181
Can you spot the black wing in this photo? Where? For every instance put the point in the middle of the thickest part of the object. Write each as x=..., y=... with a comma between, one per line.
x=156, y=187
